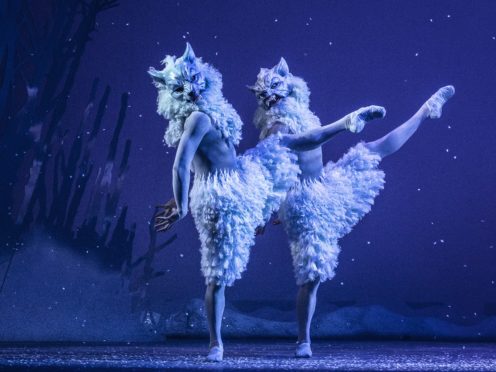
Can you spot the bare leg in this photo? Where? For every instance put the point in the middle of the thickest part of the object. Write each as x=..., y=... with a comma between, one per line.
x=305, y=308
x=395, y=139
x=214, y=305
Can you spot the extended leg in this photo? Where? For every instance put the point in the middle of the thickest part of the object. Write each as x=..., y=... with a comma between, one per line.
x=395, y=139
x=214, y=305
x=305, y=308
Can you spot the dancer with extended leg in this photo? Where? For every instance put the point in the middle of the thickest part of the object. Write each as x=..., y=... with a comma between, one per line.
x=329, y=200
x=231, y=195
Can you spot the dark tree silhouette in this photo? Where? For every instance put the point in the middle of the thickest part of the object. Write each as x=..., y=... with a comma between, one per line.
x=53, y=177
x=47, y=166
x=140, y=283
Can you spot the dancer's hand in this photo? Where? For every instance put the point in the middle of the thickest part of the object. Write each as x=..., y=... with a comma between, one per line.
x=260, y=230
x=166, y=218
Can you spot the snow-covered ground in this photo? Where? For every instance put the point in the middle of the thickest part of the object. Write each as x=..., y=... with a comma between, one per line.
x=53, y=295
x=187, y=355
x=347, y=322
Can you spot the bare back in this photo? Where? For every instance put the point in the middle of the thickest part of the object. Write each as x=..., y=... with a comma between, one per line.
x=201, y=149
x=310, y=161
x=214, y=152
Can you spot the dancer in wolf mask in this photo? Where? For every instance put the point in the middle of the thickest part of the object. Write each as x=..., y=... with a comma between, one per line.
x=231, y=195
x=328, y=200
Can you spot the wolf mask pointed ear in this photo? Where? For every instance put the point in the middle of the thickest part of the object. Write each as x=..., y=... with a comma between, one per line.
x=252, y=88
x=157, y=76
x=282, y=67
x=189, y=54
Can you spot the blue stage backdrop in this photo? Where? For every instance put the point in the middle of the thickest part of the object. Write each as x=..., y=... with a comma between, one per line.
x=84, y=165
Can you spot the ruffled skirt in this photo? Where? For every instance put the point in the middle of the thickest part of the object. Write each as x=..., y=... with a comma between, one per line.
x=316, y=213
x=228, y=206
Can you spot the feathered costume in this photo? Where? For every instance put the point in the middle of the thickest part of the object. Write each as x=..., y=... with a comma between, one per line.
x=317, y=212
x=227, y=206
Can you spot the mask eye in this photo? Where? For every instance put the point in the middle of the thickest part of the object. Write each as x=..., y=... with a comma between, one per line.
x=195, y=77
x=179, y=89
x=275, y=84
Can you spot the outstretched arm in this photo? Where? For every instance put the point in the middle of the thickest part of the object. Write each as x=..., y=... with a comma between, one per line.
x=314, y=138
x=195, y=128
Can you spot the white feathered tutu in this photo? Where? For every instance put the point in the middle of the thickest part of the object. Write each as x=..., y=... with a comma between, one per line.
x=228, y=206
x=316, y=213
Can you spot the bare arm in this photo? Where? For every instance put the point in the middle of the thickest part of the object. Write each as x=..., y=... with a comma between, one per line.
x=195, y=128
x=314, y=138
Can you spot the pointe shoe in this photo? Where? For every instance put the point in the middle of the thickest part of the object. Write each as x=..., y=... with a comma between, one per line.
x=356, y=120
x=303, y=350
x=215, y=354
x=438, y=99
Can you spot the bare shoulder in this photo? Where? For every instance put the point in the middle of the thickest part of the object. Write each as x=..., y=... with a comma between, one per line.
x=197, y=121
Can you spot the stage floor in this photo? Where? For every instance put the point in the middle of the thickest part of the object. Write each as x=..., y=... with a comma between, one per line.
x=187, y=355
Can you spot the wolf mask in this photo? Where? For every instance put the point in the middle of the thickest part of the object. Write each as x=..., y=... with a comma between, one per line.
x=282, y=97
x=187, y=84
x=277, y=85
